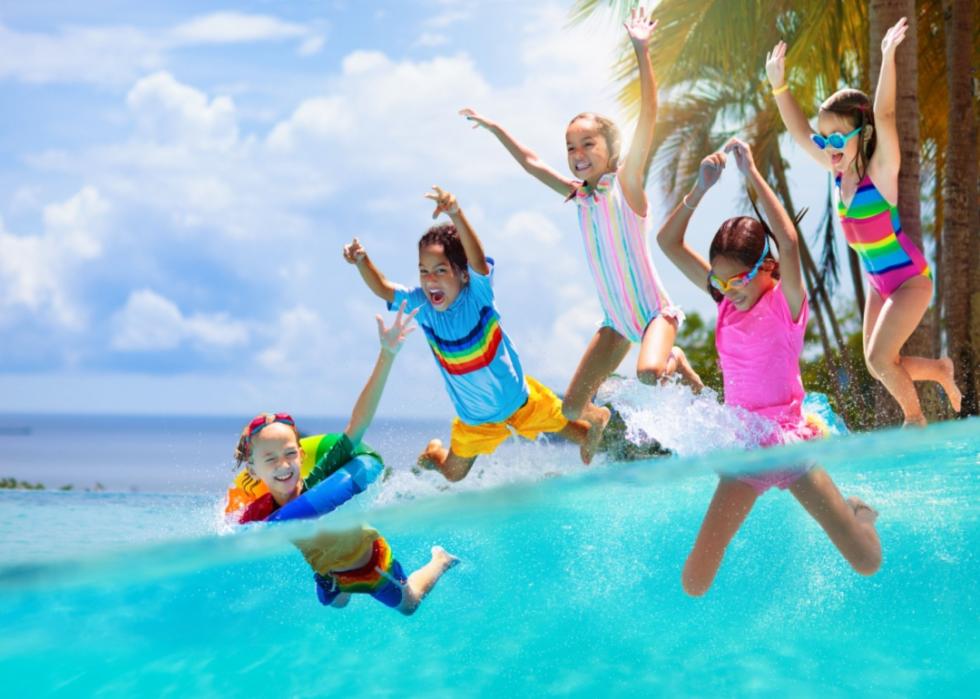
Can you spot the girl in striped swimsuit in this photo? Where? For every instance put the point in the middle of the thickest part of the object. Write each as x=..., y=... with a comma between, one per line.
x=859, y=144
x=614, y=218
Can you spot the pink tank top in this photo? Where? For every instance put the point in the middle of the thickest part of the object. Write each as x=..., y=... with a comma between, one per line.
x=759, y=352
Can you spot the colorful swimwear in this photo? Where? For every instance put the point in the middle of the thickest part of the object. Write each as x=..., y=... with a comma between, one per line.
x=479, y=364
x=873, y=230
x=618, y=253
x=541, y=413
x=381, y=576
x=759, y=353
x=322, y=456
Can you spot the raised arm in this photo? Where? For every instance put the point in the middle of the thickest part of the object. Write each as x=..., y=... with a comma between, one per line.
x=446, y=203
x=671, y=234
x=887, y=158
x=793, y=117
x=367, y=403
x=782, y=226
x=633, y=174
x=356, y=255
x=524, y=156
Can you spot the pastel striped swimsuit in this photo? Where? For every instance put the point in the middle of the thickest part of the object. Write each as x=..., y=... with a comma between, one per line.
x=618, y=254
x=873, y=231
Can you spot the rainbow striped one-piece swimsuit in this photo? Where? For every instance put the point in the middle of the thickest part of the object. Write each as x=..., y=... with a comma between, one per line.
x=617, y=250
x=873, y=230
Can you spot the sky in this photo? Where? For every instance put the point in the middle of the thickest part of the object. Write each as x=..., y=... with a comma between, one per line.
x=177, y=181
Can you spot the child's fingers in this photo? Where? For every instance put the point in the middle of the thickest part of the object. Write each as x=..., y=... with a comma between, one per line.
x=381, y=326
x=411, y=316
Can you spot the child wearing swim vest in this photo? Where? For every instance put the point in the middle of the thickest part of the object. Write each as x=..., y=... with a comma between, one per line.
x=480, y=367
x=613, y=215
x=762, y=315
x=353, y=561
x=858, y=143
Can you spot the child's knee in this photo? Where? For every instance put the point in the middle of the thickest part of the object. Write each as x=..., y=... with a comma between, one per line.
x=868, y=564
x=571, y=412
x=693, y=585
x=879, y=362
x=651, y=373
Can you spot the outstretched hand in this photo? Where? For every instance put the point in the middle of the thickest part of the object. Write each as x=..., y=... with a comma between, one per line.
x=354, y=252
x=445, y=201
x=640, y=26
x=393, y=337
x=743, y=155
x=894, y=36
x=776, y=65
x=476, y=118
x=710, y=170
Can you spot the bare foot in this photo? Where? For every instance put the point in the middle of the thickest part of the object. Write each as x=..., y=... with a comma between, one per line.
x=429, y=459
x=915, y=421
x=597, y=418
x=862, y=511
x=687, y=372
x=444, y=558
x=949, y=384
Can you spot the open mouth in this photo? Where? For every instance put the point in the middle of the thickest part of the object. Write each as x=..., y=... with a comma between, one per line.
x=836, y=159
x=582, y=167
x=286, y=477
x=437, y=296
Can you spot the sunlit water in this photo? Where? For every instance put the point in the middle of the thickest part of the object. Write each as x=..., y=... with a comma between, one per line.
x=568, y=585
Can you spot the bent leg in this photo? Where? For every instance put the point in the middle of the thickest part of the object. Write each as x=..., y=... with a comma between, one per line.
x=658, y=339
x=424, y=579
x=604, y=354
x=684, y=368
x=453, y=467
x=731, y=504
x=849, y=527
x=899, y=317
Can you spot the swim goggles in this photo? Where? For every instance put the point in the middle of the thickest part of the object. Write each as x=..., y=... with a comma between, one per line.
x=739, y=280
x=264, y=420
x=834, y=140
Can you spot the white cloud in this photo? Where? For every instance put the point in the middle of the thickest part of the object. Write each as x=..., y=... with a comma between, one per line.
x=171, y=112
x=304, y=343
x=115, y=55
x=37, y=271
x=431, y=40
x=151, y=322
x=235, y=27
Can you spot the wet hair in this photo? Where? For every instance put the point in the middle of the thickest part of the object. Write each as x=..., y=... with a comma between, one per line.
x=446, y=235
x=855, y=107
x=609, y=131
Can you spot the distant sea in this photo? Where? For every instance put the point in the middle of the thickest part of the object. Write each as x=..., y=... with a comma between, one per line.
x=163, y=454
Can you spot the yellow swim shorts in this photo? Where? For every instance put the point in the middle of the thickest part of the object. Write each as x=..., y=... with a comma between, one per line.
x=541, y=413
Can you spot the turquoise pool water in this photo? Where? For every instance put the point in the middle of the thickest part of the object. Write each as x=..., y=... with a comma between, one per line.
x=567, y=586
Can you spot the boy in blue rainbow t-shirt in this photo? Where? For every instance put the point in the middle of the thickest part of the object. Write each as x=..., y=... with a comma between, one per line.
x=480, y=366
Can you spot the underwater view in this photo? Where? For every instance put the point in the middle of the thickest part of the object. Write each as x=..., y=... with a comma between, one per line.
x=568, y=581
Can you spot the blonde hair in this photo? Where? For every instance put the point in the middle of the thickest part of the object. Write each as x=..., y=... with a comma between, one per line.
x=609, y=131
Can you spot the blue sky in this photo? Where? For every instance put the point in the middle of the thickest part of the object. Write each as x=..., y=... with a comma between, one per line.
x=177, y=180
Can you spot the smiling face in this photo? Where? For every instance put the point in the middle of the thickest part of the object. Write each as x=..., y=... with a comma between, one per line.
x=843, y=159
x=275, y=460
x=440, y=281
x=588, y=150
x=743, y=298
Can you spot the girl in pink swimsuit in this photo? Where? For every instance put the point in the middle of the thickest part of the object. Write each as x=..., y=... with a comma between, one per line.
x=762, y=314
x=859, y=144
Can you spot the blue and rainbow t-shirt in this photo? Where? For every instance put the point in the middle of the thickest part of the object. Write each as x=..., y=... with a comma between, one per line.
x=478, y=362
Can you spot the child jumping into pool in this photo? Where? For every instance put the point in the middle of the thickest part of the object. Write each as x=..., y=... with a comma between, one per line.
x=614, y=218
x=353, y=561
x=481, y=368
x=859, y=144
x=762, y=315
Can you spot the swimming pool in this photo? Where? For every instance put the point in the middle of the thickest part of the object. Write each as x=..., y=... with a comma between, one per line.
x=567, y=586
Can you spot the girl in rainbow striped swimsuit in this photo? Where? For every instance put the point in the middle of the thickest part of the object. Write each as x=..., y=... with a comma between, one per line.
x=480, y=367
x=859, y=144
x=614, y=218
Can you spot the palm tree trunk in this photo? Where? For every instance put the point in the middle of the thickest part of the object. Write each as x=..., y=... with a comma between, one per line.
x=961, y=248
x=937, y=234
x=819, y=299
x=857, y=280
